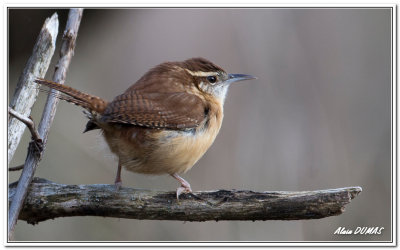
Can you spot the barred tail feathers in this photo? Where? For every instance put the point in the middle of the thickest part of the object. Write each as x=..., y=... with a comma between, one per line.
x=86, y=101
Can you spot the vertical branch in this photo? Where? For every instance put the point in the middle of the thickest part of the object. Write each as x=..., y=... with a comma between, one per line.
x=66, y=53
x=33, y=157
x=26, y=91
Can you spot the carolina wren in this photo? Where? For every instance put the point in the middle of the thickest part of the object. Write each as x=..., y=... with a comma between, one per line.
x=165, y=122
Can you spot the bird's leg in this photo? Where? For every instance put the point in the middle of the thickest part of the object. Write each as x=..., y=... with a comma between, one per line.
x=118, y=181
x=184, y=188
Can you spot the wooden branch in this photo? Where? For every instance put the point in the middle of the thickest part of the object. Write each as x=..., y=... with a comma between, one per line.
x=16, y=168
x=49, y=200
x=28, y=122
x=66, y=53
x=33, y=157
x=31, y=126
x=27, y=91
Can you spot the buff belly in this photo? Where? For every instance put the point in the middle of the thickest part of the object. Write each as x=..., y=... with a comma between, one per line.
x=152, y=151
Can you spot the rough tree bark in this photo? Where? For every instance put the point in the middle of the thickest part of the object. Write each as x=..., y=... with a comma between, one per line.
x=33, y=157
x=27, y=91
x=49, y=200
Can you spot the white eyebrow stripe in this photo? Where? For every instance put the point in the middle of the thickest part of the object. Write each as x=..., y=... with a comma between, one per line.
x=201, y=73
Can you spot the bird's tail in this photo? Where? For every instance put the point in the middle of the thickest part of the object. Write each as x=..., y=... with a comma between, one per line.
x=86, y=101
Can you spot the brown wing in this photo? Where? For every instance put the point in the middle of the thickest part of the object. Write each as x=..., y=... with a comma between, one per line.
x=177, y=110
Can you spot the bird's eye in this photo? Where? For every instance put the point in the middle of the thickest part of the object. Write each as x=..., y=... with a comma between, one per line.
x=211, y=79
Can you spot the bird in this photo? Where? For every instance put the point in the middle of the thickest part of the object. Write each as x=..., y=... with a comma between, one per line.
x=163, y=123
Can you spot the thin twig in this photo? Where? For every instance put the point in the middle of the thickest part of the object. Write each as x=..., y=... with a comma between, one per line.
x=16, y=168
x=49, y=200
x=27, y=91
x=67, y=48
x=27, y=121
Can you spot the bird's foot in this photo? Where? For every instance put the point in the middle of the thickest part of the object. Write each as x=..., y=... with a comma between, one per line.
x=183, y=189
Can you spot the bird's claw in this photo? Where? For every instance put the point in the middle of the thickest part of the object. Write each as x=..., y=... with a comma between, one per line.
x=182, y=189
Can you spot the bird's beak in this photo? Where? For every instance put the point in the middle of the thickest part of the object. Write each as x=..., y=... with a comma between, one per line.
x=239, y=77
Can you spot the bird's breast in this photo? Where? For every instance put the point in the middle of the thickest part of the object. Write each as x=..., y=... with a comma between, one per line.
x=178, y=151
x=160, y=151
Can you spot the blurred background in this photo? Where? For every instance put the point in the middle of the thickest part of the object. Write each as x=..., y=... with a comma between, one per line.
x=318, y=117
